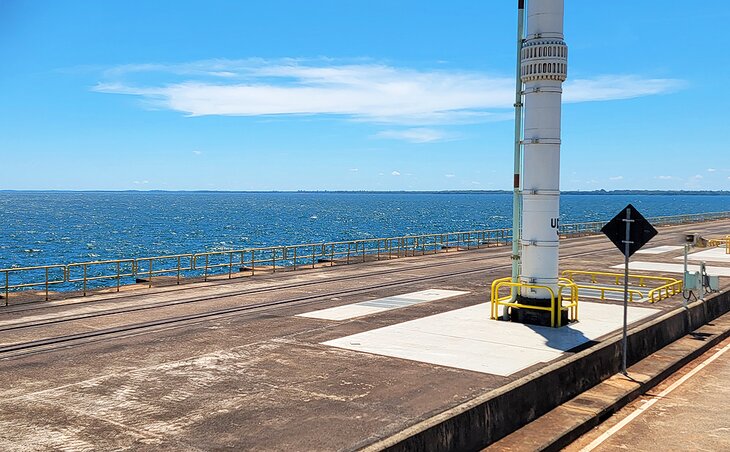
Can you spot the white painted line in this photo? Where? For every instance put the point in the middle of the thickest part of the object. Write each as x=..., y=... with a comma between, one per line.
x=659, y=249
x=673, y=268
x=712, y=255
x=624, y=422
x=368, y=307
x=467, y=339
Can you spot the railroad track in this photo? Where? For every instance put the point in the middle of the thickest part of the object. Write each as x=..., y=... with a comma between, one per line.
x=576, y=246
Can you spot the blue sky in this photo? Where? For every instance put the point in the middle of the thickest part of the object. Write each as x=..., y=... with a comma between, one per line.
x=350, y=95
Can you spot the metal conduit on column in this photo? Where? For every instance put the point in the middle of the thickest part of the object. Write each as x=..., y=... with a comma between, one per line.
x=543, y=68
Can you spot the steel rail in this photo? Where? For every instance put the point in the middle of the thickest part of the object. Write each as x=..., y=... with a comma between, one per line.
x=163, y=304
x=185, y=319
x=244, y=292
x=404, y=244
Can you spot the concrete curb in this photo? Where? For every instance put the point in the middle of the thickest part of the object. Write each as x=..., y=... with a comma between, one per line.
x=566, y=423
x=488, y=418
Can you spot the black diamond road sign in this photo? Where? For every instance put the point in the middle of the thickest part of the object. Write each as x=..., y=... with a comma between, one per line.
x=641, y=230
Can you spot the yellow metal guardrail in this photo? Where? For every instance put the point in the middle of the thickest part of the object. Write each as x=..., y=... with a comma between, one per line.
x=666, y=287
x=725, y=243
x=149, y=267
x=557, y=301
x=247, y=260
x=273, y=258
x=47, y=271
x=98, y=270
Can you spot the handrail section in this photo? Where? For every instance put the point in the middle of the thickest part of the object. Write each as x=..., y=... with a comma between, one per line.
x=290, y=256
x=557, y=301
x=667, y=286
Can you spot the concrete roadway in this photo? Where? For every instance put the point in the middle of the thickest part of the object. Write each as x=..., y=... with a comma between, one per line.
x=259, y=379
x=688, y=411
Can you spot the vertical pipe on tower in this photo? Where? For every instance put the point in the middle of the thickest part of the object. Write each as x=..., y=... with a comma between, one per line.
x=516, y=200
x=543, y=69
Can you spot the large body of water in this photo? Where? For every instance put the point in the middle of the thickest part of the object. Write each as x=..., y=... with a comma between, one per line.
x=41, y=228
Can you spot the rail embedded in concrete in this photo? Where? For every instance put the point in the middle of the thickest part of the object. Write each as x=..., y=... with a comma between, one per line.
x=83, y=276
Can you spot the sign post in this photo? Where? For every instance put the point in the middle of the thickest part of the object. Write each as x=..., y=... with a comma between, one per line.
x=632, y=239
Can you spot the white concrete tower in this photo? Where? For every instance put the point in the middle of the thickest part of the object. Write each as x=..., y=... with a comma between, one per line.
x=543, y=70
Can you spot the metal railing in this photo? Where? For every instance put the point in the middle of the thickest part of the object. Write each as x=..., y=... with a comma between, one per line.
x=663, y=287
x=31, y=278
x=91, y=275
x=722, y=243
x=99, y=270
x=557, y=301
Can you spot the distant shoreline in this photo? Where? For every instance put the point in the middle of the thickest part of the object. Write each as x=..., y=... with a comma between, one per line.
x=404, y=192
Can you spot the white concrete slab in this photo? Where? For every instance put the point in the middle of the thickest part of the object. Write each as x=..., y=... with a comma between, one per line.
x=659, y=249
x=368, y=307
x=595, y=294
x=673, y=268
x=467, y=339
x=709, y=255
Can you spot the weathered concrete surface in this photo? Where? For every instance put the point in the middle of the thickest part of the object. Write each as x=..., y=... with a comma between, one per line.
x=562, y=425
x=693, y=416
x=259, y=379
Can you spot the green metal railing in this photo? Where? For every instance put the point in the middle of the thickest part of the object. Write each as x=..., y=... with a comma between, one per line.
x=248, y=261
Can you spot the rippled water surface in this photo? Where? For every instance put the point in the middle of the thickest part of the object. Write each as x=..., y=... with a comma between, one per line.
x=38, y=228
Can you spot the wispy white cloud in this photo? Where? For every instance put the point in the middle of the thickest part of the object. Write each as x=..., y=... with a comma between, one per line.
x=616, y=178
x=616, y=87
x=196, y=152
x=711, y=170
x=449, y=175
x=363, y=91
x=354, y=170
x=664, y=177
x=415, y=135
x=395, y=173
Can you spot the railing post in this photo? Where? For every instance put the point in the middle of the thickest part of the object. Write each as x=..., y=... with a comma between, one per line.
x=378, y=249
x=178, y=270
x=332, y=254
x=348, y=252
x=363, y=251
x=295, y=258
x=205, y=272
x=253, y=263
x=149, y=277
x=312, y=256
x=230, y=265
x=46, y=283
x=84, y=279
x=273, y=259
x=7, y=286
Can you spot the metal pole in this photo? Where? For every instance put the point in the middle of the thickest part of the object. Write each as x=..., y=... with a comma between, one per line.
x=627, y=245
x=684, y=278
x=516, y=200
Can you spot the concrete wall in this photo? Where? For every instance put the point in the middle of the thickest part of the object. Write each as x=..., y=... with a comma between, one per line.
x=486, y=419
